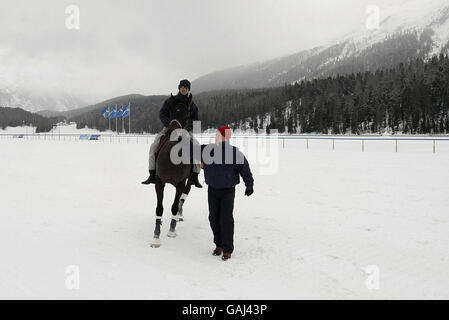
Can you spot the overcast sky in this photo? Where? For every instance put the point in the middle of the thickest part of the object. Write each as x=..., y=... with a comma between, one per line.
x=147, y=46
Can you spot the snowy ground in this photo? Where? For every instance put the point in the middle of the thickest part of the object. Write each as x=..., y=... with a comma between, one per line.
x=309, y=231
x=59, y=129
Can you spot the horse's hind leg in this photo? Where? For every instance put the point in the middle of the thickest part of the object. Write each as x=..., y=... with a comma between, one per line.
x=175, y=208
x=159, y=210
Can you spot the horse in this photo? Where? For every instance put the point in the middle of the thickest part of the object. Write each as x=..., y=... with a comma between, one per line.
x=174, y=174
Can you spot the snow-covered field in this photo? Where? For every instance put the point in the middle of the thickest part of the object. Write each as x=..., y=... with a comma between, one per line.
x=311, y=230
x=59, y=129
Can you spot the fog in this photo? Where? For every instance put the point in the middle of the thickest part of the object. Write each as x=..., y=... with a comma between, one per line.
x=146, y=47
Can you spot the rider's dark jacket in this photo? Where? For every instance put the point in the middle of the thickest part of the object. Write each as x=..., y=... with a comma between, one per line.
x=165, y=116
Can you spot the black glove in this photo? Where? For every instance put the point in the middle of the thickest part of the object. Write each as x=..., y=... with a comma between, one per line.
x=249, y=191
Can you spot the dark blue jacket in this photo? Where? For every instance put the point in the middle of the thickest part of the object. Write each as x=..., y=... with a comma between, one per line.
x=225, y=174
x=164, y=113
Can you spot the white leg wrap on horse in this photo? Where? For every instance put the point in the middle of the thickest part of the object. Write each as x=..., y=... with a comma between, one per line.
x=175, y=217
x=184, y=196
x=171, y=234
x=158, y=218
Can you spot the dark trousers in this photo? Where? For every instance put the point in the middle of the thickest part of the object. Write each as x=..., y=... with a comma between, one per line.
x=221, y=206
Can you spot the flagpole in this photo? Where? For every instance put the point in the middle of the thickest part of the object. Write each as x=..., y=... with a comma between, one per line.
x=106, y=112
x=129, y=129
x=116, y=130
x=109, y=113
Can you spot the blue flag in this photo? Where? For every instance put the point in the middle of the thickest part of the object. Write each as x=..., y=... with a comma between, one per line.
x=113, y=113
x=105, y=112
x=126, y=111
x=119, y=112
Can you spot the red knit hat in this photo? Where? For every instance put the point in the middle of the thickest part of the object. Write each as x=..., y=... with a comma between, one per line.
x=225, y=132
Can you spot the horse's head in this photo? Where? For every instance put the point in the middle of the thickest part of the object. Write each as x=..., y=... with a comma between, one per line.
x=180, y=112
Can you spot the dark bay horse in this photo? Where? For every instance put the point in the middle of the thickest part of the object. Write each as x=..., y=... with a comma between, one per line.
x=174, y=174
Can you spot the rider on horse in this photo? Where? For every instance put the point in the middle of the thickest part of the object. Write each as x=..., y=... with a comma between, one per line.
x=182, y=98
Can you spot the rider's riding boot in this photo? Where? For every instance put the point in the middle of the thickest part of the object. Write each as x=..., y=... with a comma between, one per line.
x=194, y=179
x=151, y=178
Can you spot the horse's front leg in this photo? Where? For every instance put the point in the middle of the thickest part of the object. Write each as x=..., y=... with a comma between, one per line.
x=175, y=208
x=159, y=210
x=183, y=198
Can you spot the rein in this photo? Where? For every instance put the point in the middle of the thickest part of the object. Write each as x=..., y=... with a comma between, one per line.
x=167, y=137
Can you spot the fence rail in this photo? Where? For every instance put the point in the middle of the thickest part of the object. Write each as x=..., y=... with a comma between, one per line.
x=260, y=136
x=283, y=139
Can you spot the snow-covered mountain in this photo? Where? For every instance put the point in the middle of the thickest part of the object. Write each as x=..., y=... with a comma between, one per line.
x=24, y=83
x=37, y=101
x=413, y=29
x=431, y=16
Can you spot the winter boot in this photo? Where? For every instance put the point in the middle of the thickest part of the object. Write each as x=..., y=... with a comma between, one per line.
x=151, y=178
x=194, y=180
x=217, y=251
x=226, y=256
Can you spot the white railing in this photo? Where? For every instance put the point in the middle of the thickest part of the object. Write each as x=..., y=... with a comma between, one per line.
x=284, y=140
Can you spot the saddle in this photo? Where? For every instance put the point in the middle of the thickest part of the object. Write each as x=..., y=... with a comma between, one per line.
x=162, y=142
